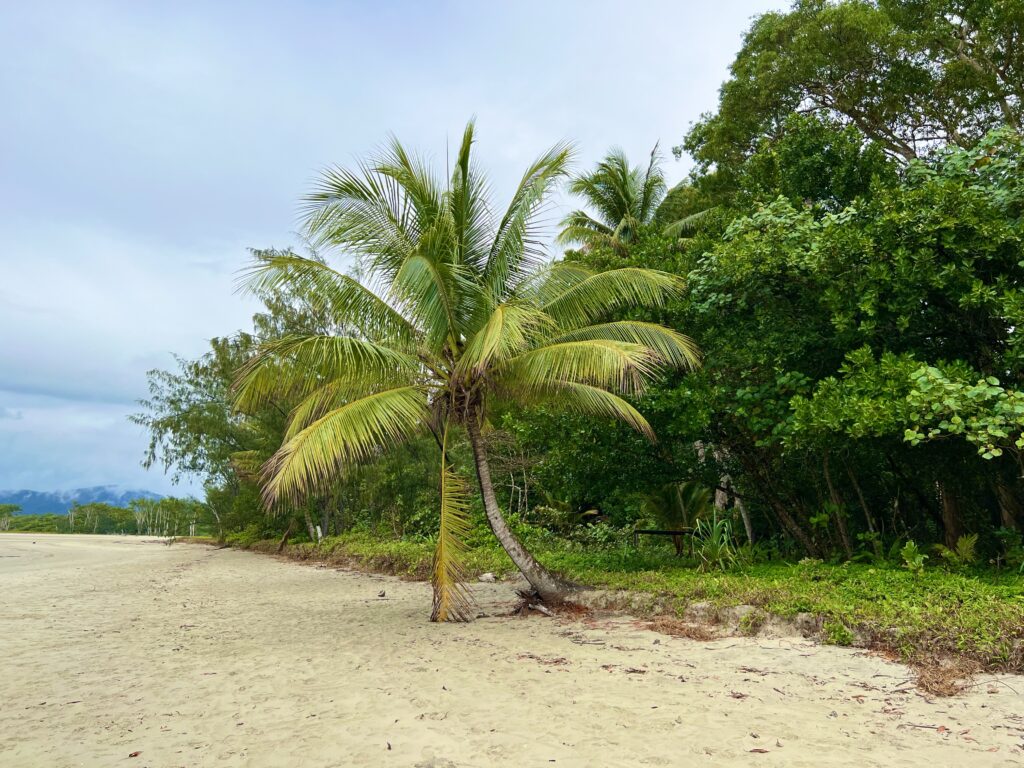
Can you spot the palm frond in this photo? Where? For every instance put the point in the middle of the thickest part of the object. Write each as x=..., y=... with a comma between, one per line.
x=333, y=394
x=551, y=281
x=652, y=188
x=610, y=189
x=365, y=212
x=295, y=366
x=583, y=399
x=414, y=177
x=597, y=295
x=348, y=302
x=343, y=437
x=434, y=290
x=624, y=199
x=617, y=365
x=518, y=247
x=688, y=224
x=674, y=348
x=452, y=601
x=247, y=464
x=468, y=200
x=579, y=228
x=511, y=329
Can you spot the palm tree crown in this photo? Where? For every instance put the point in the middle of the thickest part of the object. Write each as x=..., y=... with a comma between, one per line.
x=623, y=197
x=625, y=200
x=457, y=311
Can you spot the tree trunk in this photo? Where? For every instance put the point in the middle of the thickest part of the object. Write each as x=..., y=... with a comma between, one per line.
x=926, y=500
x=762, y=478
x=791, y=525
x=1009, y=505
x=310, y=528
x=220, y=527
x=287, y=534
x=550, y=588
x=951, y=522
x=747, y=524
x=677, y=542
x=840, y=510
x=325, y=516
x=876, y=541
x=726, y=489
x=778, y=505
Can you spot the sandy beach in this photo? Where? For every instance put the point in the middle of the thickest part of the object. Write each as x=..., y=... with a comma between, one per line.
x=123, y=651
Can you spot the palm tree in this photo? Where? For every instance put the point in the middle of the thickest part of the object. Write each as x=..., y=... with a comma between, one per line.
x=623, y=197
x=457, y=312
x=625, y=200
x=678, y=506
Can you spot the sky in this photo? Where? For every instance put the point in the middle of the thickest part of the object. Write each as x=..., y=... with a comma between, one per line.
x=147, y=146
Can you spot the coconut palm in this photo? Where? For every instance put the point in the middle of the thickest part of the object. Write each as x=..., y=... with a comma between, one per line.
x=457, y=311
x=623, y=197
x=625, y=201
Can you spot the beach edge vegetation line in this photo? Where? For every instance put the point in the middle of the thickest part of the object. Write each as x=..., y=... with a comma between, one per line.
x=457, y=311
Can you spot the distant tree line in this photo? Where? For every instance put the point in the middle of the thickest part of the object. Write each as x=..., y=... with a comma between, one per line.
x=167, y=516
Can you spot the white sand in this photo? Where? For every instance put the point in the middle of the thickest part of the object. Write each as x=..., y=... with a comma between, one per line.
x=193, y=657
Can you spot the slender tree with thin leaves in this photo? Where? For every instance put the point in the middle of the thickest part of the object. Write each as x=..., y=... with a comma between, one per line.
x=458, y=310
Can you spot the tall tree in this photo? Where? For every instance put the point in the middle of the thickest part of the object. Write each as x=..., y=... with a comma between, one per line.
x=459, y=312
x=7, y=511
x=908, y=74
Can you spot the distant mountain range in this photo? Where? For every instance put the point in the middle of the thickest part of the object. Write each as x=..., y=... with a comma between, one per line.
x=58, y=502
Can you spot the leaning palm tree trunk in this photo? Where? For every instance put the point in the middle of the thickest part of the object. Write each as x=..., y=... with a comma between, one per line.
x=547, y=586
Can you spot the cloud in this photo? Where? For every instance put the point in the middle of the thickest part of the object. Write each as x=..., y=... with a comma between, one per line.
x=97, y=309
x=56, y=443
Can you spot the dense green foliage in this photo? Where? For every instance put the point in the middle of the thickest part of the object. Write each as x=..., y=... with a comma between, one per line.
x=851, y=243
x=909, y=75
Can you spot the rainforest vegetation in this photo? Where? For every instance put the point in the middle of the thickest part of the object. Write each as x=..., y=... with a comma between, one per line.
x=808, y=351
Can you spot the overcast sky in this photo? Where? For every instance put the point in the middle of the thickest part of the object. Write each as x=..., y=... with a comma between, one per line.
x=147, y=145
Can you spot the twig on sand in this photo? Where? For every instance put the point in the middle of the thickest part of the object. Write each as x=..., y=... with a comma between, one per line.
x=939, y=728
x=991, y=682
